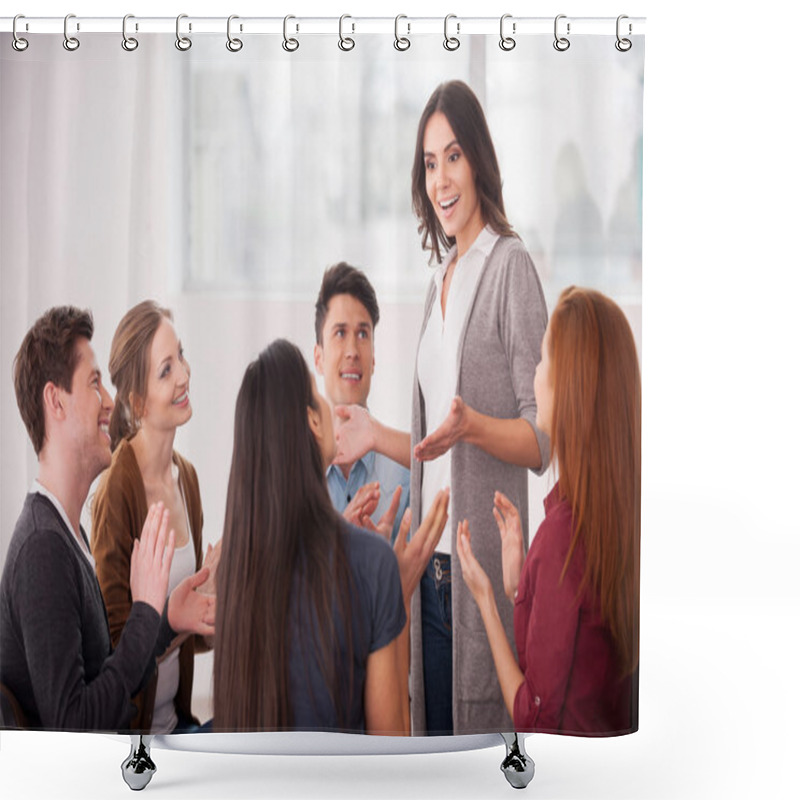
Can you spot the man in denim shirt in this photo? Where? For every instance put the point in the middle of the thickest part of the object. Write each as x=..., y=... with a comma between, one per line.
x=347, y=313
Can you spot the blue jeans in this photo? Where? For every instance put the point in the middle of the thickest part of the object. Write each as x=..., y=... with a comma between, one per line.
x=437, y=645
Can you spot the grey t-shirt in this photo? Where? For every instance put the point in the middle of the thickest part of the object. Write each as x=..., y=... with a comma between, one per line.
x=378, y=617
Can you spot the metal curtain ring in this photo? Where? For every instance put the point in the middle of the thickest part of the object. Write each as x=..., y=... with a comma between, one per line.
x=70, y=42
x=234, y=45
x=128, y=42
x=289, y=44
x=401, y=42
x=507, y=42
x=561, y=43
x=17, y=42
x=451, y=42
x=345, y=42
x=182, y=42
x=623, y=45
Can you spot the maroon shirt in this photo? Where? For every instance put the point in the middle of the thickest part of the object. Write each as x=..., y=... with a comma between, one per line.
x=566, y=653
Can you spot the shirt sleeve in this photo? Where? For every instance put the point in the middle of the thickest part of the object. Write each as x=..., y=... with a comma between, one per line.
x=551, y=632
x=389, y=614
x=51, y=609
x=523, y=321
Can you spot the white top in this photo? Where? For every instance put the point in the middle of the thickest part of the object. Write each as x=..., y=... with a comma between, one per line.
x=165, y=717
x=37, y=488
x=437, y=359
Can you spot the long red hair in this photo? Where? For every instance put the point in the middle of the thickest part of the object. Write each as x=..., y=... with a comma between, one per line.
x=596, y=438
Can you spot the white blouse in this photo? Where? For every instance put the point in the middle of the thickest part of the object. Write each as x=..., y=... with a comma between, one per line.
x=437, y=359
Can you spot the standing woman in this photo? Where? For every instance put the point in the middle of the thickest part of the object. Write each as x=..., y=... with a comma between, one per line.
x=576, y=604
x=474, y=413
x=473, y=418
x=310, y=609
x=151, y=377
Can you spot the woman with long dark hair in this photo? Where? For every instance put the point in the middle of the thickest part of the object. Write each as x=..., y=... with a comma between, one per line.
x=474, y=413
x=152, y=378
x=309, y=608
x=576, y=599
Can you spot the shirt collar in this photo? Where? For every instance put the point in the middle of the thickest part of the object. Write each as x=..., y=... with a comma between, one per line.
x=368, y=460
x=38, y=488
x=482, y=246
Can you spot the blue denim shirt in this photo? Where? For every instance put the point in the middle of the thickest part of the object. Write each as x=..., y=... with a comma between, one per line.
x=372, y=467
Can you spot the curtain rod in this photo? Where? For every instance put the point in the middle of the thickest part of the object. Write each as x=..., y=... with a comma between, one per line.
x=348, y=25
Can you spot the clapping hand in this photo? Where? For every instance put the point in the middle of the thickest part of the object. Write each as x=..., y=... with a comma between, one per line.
x=211, y=562
x=510, y=526
x=385, y=524
x=474, y=575
x=363, y=504
x=152, y=558
x=189, y=611
x=413, y=556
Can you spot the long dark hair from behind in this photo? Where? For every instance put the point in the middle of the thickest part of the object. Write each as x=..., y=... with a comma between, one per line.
x=597, y=438
x=464, y=113
x=282, y=542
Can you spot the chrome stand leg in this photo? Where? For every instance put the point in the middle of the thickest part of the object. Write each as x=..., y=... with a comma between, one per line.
x=517, y=766
x=138, y=768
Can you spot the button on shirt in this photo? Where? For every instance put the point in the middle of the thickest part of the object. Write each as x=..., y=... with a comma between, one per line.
x=368, y=469
x=437, y=361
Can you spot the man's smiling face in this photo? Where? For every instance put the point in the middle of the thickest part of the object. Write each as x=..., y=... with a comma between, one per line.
x=346, y=358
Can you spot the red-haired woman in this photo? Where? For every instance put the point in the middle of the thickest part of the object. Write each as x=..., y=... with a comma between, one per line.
x=576, y=597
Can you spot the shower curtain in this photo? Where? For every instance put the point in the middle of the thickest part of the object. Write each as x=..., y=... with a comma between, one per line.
x=223, y=180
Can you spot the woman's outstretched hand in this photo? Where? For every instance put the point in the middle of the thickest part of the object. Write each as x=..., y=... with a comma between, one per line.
x=474, y=576
x=510, y=526
x=152, y=558
x=354, y=433
x=413, y=556
x=452, y=430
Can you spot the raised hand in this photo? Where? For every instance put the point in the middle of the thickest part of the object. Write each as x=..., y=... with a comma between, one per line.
x=513, y=555
x=474, y=576
x=188, y=610
x=413, y=556
x=452, y=430
x=361, y=508
x=152, y=558
x=354, y=433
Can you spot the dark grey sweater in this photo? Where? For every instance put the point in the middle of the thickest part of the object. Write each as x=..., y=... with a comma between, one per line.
x=55, y=650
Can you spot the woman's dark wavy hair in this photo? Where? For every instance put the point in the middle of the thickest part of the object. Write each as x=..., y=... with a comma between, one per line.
x=282, y=539
x=464, y=113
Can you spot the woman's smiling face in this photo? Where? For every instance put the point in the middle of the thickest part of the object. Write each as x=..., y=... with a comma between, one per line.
x=450, y=183
x=167, y=404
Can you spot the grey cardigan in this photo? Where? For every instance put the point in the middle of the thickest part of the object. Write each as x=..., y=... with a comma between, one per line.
x=499, y=349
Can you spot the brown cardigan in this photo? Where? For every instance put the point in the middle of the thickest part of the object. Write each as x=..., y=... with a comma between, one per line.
x=119, y=509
